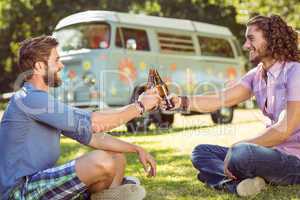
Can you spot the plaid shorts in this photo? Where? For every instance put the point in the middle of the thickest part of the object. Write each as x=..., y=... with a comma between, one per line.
x=58, y=183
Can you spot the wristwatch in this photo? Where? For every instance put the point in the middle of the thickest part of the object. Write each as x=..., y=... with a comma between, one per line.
x=140, y=106
x=184, y=104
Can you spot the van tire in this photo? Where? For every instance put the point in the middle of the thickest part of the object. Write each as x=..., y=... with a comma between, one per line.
x=162, y=121
x=223, y=117
x=141, y=124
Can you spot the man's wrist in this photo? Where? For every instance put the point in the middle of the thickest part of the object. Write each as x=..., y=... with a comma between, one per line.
x=140, y=107
x=184, y=104
x=138, y=149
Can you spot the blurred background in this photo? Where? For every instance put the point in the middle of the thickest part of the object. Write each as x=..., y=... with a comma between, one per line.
x=20, y=19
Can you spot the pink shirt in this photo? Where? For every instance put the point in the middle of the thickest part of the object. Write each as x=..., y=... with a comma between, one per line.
x=283, y=84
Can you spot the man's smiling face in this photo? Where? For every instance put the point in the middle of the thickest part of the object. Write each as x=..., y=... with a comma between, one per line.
x=256, y=44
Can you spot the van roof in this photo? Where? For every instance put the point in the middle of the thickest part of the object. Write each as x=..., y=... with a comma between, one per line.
x=144, y=20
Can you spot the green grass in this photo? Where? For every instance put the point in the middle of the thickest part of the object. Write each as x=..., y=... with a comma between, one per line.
x=176, y=177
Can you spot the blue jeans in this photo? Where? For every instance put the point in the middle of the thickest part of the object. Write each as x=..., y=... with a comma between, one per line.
x=246, y=161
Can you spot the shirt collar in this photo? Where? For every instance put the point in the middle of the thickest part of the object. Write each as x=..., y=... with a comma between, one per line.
x=274, y=70
x=29, y=86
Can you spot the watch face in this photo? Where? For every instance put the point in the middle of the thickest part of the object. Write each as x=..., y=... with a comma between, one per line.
x=139, y=105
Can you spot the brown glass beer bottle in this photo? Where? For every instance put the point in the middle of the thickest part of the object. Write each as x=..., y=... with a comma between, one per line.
x=150, y=82
x=162, y=89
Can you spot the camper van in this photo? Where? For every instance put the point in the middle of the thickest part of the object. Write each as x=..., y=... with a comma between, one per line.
x=107, y=56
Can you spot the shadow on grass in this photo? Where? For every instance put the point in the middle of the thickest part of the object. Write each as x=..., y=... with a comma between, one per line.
x=162, y=131
x=154, y=132
x=70, y=151
x=176, y=177
x=176, y=180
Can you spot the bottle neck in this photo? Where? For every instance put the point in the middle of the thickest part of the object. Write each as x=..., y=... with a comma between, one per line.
x=151, y=81
x=157, y=78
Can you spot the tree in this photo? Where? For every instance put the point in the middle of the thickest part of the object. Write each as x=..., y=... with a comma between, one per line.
x=20, y=19
x=197, y=10
x=289, y=10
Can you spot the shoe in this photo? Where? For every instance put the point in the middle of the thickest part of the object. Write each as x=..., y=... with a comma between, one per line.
x=122, y=192
x=131, y=180
x=250, y=186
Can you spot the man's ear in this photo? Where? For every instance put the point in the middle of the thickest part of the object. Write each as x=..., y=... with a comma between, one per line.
x=39, y=68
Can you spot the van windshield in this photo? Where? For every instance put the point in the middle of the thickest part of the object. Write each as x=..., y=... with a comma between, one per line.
x=83, y=36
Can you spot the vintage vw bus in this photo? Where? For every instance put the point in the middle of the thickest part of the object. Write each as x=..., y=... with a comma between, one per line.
x=107, y=56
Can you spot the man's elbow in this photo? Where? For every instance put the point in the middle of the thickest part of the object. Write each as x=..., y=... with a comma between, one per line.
x=284, y=131
x=284, y=135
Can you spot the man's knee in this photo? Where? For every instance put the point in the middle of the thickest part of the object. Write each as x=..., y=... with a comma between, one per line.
x=104, y=161
x=240, y=156
x=201, y=151
x=96, y=166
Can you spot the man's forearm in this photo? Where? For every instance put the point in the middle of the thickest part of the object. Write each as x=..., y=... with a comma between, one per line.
x=224, y=98
x=107, y=120
x=269, y=138
x=207, y=103
x=106, y=142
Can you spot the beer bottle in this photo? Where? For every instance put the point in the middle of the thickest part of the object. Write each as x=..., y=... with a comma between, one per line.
x=150, y=83
x=162, y=89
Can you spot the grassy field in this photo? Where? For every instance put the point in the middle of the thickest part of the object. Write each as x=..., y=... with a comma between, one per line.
x=176, y=177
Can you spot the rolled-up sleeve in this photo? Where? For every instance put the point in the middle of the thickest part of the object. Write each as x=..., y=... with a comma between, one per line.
x=293, y=82
x=247, y=79
x=71, y=122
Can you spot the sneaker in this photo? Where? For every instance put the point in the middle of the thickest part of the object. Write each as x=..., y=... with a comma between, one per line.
x=250, y=186
x=131, y=180
x=122, y=192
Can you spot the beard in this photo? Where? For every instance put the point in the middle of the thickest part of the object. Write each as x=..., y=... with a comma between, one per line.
x=261, y=53
x=52, y=79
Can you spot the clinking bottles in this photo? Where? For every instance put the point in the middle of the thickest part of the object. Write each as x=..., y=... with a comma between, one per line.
x=154, y=80
x=150, y=83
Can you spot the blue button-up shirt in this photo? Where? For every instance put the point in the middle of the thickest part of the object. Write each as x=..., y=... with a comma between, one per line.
x=30, y=134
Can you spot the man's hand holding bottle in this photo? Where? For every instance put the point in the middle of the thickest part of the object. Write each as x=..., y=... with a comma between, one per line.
x=150, y=99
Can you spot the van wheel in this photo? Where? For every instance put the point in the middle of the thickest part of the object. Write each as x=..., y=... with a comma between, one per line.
x=140, y=124
x=162, y=121
x=222, y=116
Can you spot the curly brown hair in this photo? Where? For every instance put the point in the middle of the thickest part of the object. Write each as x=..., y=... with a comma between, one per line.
x=282, y=40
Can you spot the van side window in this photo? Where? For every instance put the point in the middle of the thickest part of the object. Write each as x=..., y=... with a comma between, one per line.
x=174, y=43
x=215, y=47
x=140, y=37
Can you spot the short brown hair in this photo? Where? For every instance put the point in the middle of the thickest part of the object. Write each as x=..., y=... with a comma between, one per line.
x=34, y=50
x=282, y=40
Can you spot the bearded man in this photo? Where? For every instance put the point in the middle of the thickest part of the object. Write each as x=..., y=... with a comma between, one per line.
x=31, y=129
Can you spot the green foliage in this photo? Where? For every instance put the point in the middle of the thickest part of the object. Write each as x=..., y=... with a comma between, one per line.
x=176, y=177
x=289, y=10
x=20, y=19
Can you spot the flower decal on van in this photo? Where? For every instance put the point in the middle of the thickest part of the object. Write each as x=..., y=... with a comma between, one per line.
x=127, y=71
x=173, y=67
x=231, y=73
x=72, y=74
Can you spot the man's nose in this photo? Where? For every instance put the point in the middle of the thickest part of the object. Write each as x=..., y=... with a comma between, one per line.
x=246, y=46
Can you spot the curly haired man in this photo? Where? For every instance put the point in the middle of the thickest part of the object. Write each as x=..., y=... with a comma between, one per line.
x=274, y=155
